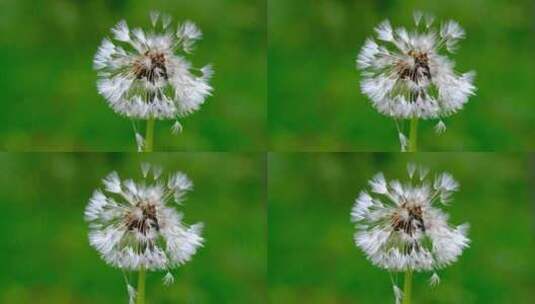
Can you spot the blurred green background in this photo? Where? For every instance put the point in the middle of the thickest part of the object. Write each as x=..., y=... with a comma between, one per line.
x=46, y=257
x=49, y=96
x=312, y=257
x=315, y=102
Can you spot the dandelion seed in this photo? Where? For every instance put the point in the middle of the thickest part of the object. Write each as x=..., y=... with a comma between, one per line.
x=404, y=143
x=411, y=168
x=177, y=127
x=398, y=294
x=408, y=77
x=145, y=168
x=417, y=17
x=434, y=280
x=168, y=279
x=154, y=15
x=133, y=226
x=440, y=127
x=142, y=74
x=131, y=294
x=400, y=228
x=140, y=142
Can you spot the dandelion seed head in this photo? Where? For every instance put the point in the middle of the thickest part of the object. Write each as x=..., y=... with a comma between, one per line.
x=144, y=74
x=133, y=226
x=400, y=227
x=405, y=75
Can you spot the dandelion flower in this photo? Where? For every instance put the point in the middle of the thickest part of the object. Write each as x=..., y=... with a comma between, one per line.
x=144, y=74
x=406, y=75
x=400, y=227
x=134, y=225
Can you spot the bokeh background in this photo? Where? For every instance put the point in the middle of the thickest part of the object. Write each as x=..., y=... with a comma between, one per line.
x=312, y=257
x=46, y=257
x=314, y=96
x=49, y=96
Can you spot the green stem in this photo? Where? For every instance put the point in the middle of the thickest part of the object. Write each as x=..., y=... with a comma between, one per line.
x=140, y=296
x=149, y=135
x=413, y=136
x=407, y=287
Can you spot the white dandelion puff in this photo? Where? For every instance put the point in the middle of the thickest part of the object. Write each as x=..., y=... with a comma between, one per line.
x=405, y=75
x=134, y=227
x=400, y=228
x=145, y=75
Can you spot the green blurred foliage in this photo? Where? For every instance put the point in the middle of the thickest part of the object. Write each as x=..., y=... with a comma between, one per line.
x=46, y=257
x=312, y=257
x=50, y=100
x=315, y=102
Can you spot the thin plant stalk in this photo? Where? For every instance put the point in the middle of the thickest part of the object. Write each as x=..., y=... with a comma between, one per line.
x=407, y=287
x=149, y=135
x=413, y=135
x=140, y=295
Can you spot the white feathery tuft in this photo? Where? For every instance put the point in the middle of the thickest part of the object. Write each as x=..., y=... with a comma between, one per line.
x=405, y=75
x=400, y=228
x=434, y=280
x=168, y=279
x=145, y=74
x=134, y=226
x=440, y=127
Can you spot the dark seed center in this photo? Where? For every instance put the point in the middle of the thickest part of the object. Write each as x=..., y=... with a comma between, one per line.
x=411, y=224
x=419, y=70
x=148, y=219
x=156, y=69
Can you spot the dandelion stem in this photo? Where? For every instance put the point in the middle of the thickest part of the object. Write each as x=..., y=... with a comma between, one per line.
x=413, y=136
x=407, y=287
x=149, y=135
x=140, y=295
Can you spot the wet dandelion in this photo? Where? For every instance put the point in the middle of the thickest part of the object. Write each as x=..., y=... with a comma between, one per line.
x=135, y=228
x=400, y=228
x=144, y=75
x=407, y=78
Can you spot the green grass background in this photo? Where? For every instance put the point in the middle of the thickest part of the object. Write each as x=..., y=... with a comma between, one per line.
x=312, y=257
x=49, y=96
x=314, y=96
x=46, y=257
